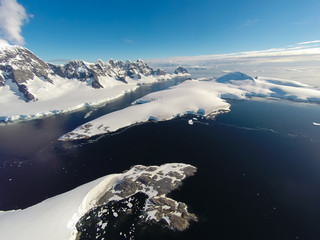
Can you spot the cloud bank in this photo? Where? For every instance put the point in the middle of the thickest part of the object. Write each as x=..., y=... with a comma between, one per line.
x=12, y=17
x=309, y=42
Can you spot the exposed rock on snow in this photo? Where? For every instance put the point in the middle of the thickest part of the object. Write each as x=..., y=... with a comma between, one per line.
x=138, y=196
x=93, y=71
x=21, y=65
x=160, y=72
x=180, y=70
x=105, y=207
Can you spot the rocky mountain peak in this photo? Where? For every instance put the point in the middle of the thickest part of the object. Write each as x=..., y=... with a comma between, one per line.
x=20, y=65
x=180, y=70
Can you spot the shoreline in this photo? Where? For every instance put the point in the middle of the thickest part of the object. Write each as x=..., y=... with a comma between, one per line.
x=5, y=120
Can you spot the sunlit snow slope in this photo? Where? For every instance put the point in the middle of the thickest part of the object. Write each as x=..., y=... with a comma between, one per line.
x=205, y=97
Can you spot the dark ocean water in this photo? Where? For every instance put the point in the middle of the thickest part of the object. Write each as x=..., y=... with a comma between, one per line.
x=258, y=170
x=21, y=141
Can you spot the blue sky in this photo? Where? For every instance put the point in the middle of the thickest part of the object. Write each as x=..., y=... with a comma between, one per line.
x=89, y=30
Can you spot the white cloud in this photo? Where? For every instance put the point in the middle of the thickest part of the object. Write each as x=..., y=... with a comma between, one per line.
x=309, y=42
x=3, y=42
x=12, y=16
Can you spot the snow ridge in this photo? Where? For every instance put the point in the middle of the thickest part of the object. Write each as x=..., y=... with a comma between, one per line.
x=204, y=97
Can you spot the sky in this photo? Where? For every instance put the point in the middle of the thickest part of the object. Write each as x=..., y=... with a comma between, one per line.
x=57, y=30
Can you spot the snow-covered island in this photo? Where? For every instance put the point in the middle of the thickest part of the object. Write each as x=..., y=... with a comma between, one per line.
x=205, y=97
x=31, y=88
x=95, y=210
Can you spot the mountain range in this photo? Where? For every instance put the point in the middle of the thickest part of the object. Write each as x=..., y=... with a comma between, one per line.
x=21, y=66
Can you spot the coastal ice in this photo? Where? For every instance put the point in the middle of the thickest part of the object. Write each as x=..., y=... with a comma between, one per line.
x=64, y=96
x=206, y=97
x=189, y=97
x=58, y=217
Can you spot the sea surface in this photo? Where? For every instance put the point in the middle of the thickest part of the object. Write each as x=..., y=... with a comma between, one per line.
x=258, y=166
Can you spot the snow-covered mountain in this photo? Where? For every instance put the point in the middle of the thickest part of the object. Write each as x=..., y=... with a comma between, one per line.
x=21, y=66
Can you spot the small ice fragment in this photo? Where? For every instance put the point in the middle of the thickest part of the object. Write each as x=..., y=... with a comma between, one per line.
x=115, y=214
x=129, y=205
x=316, y=124
x=104, y=225
x=88, y=114
x=190, y=122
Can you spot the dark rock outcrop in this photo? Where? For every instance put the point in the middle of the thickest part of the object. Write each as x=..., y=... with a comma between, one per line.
x=24, y=89
x=96, y=84
x=236, y=76
x=137, y=200
x=115, y=220
x=180, y=70
x=2, y=80
x=160, y=72
x=160, y=183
